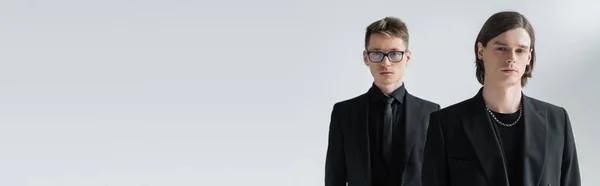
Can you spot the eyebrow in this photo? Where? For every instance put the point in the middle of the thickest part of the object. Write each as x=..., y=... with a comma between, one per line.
x=504, y=44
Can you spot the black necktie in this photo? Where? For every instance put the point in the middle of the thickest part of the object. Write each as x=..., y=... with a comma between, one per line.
x=387, y=130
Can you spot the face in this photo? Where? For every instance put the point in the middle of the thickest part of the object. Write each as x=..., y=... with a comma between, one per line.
x=384, y=70
x=505, y=57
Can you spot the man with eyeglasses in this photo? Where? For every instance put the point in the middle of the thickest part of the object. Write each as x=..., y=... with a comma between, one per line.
x=377, y=138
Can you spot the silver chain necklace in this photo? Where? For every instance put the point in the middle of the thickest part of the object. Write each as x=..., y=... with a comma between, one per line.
x=501, y=123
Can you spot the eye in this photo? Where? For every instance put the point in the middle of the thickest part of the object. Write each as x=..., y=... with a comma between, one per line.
x=376, y=53
x=521, y=51
x=395, y=54
x=501, y=49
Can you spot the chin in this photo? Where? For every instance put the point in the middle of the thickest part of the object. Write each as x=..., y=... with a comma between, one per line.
x=387, y=81
x=511, y=82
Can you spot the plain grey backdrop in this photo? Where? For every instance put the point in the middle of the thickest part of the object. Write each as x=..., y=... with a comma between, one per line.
x=234, y=92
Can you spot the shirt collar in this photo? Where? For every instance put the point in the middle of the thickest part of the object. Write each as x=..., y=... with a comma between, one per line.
x=376, y=94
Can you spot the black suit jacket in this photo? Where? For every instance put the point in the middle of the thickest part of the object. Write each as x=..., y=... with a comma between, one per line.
x=463, y=150
x=348, y=157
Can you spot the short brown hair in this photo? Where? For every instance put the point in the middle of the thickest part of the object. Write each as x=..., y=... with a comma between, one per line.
x=389, y=26
x=496, y=25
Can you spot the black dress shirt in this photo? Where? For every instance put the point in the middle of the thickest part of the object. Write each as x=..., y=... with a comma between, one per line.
x=382, y=172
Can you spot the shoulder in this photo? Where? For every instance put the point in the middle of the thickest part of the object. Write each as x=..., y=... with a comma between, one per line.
x=429, y=105
x=555, y=114
x=543, y=105
x=348, y=103
x=454, y=109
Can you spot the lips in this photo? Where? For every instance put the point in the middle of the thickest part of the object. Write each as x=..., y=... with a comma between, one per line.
x=509, y=70
x=386, y=73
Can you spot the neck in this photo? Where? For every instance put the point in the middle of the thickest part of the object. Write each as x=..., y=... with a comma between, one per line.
x=387, y=89
x=502, y=99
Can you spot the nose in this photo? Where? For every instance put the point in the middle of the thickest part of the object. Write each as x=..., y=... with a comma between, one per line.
x=512, y=57
x=386, y=61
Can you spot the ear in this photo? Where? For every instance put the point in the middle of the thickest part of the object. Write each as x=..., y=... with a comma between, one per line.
x=529, y=57
x=365, y=57
x=480, y=51
x=407, y=56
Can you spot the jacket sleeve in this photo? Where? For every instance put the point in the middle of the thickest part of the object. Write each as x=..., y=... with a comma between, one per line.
x=435, y=169
x=570, y=167
x=335, y=163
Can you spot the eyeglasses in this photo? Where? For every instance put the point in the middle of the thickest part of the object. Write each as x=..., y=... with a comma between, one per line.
x=393, y=56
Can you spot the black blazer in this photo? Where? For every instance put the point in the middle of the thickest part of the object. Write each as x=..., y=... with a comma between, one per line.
x=348, y=159
x=462, y=148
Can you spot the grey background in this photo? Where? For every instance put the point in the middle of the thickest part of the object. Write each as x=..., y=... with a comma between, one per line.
x=182, y=92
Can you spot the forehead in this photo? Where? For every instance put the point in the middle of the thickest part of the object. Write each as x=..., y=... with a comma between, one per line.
x=385, y=42
x=514, y=38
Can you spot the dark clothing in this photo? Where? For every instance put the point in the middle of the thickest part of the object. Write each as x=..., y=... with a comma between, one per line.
x=354, y=154
x=385, y=172
x=511, y=142
x=464, y=148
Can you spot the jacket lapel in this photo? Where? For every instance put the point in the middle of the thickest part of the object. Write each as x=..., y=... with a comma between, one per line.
x=412, y=114
x=534, y=142
x=361, y=130
x=479, y=131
